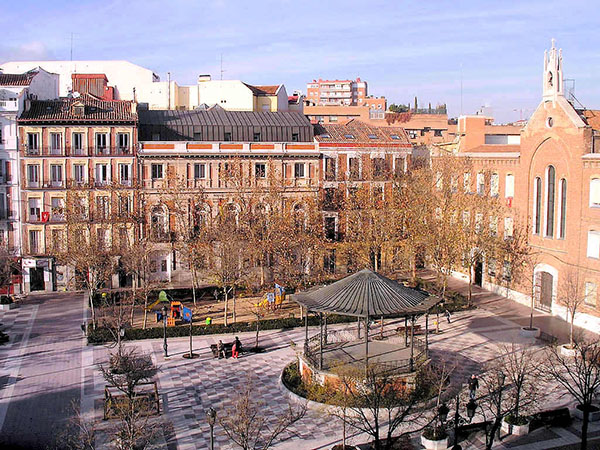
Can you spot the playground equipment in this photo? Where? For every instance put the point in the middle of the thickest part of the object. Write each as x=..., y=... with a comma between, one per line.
x=272, y=300
x=174, y=309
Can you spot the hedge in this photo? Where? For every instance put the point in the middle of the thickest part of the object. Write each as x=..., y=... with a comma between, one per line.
x=102, y=335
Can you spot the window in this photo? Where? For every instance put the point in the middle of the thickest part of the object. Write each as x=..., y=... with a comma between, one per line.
x=478, y=222
x=33, y=175
x=438, y=181
x=378, y=195
x=57, y=240
x=102, y=235
x=34, y=241
x=159, y=222
x=372, y=136
x=34, y=209
x=509, y=186
x=125, y=205
x=79, y=173
x=411, y=134
x=508, y=227
x=550, y=194
x=77, y=143
x=299, y=170
x=593, y=244
x=491, y=267
x=256, y=137
x=227, y=136
x=396, y=137
x=57, y=209
x=123, y=142
x=102, y=207
x=156, y=171
x=55, y=143
x=507, y=275
x=101, y=146
x=123, y=238
x=33, y=143
x=467, y=182
x=199, y=171
x=330, y=228
x=399, y=166
x=537, y=205
x=295, y=137
x=260, y=170
x=379, y=167
x=125, y=174
x=494, y=185
x=354, y=168
x=56, y=175
x=591, y=293
x=595, y=193
x=330, y=168
x=197, y=136
x=494, y=226
x=437, y=133
x=349, y=136
x=156, y=136
x=102, y=174
x=562, y=209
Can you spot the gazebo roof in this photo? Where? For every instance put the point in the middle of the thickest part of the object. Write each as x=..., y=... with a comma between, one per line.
x=366, y=294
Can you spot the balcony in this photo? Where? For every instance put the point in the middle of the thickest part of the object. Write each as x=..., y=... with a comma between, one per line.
x=71, y=151
x=113, y=151
x=160, y=235
x=9, y=105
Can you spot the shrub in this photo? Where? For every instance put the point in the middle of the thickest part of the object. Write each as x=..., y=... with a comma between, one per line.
x=516, y=420
x=5, y=300
x=435, y=434
x=101, y=335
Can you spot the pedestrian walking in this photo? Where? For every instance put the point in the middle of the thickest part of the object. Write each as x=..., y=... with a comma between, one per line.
x=473, y=386
x=448, y=315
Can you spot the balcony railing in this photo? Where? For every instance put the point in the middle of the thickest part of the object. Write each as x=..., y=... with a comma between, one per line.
x=72, y=151
x=9, y=105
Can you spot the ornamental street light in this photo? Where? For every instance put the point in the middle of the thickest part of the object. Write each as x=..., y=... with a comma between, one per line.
x=443, y=411
x=164, y=313
x=211, y=416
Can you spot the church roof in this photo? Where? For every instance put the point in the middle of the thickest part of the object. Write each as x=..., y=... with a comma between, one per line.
x=592, y=118
x=366, y=294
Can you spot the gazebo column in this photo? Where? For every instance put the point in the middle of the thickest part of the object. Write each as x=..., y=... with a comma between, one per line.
x=427, y=334
x=405, y=331
x=358, y=328
x=321, y=341
x=381, y=331
x=412, y=343
x=306, y=333
x=366, y=344
x=325, y=333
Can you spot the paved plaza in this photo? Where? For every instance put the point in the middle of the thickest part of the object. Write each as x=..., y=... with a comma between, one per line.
x=47, y=365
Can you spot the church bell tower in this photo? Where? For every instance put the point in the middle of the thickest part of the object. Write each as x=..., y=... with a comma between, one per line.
x=553, y=73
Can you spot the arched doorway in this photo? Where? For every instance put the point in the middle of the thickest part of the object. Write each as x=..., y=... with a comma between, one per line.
x=544, y=288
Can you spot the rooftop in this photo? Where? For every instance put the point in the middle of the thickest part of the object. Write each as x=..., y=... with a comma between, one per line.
x=361, y=133
x=592, y=118
x=220, y=116
x=17, y=79
x=264, y=90
x=95, y=110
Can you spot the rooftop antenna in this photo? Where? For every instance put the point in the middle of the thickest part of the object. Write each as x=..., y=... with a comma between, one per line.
x=461, y=89
x=222, y=67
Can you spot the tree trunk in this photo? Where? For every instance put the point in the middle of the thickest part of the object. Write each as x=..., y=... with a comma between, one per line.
x=91, y=300
x=226, y=306
x=571, y=328
x=194, y=286
x=145, y=311
x=257, y=330
x=495, y=428
x=584, y=426
x=470, y=292
x=234, y=313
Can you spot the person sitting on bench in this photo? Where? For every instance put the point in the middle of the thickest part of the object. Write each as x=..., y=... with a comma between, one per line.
x=221, y=350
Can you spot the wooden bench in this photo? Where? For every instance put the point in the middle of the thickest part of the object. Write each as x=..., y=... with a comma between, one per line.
x=227, y=346
x=401, y=330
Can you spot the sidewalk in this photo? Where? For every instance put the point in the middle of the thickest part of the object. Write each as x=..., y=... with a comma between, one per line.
x=509, y=309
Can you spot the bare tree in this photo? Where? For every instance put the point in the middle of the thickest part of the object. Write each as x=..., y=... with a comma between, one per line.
x=578, y=375
x=572, y=296
x=376, y=397
x=248, y=424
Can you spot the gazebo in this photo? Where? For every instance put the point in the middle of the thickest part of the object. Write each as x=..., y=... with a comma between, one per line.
x=367, y=296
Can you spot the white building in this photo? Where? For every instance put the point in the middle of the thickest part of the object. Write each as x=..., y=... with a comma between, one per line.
x=15, y=90
x=133, y=82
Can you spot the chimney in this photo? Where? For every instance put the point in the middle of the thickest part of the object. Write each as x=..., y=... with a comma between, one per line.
x=203, y=78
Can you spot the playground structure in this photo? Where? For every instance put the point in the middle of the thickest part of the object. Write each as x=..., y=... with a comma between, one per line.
x=272, y=300
x=174, y=309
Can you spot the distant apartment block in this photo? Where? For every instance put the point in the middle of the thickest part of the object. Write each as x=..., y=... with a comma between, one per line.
x=342, y=92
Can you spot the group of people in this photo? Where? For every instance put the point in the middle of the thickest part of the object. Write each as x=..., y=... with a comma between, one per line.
x=236, y=349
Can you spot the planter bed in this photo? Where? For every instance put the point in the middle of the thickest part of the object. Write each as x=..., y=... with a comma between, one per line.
x=594, y=413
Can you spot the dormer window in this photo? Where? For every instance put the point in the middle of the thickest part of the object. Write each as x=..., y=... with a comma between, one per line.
x=349, y=136
x=78, y=109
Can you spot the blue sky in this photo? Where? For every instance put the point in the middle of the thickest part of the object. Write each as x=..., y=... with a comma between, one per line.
x=402, y=48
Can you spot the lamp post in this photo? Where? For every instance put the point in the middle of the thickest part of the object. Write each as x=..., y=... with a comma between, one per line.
x=211, y=416
x=164, y=313
x=443, y=411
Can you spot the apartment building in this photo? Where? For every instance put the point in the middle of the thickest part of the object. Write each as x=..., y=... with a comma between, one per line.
x=354, y=155
x=549, y=175
x=80, y=145
x=185, y=153
x=342, y=92
x=16, y=90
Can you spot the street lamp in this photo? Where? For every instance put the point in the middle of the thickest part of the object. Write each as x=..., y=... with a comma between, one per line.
x=164, y=313
x=211, y=416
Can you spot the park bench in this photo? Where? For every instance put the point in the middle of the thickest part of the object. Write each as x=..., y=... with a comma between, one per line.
x=560, y=417
x=402, y=329
x=226, y=345
x=548, y=338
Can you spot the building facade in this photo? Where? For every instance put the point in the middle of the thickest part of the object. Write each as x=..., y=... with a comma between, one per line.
x=549, y=176
x=80, y=150
x=342, y=92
